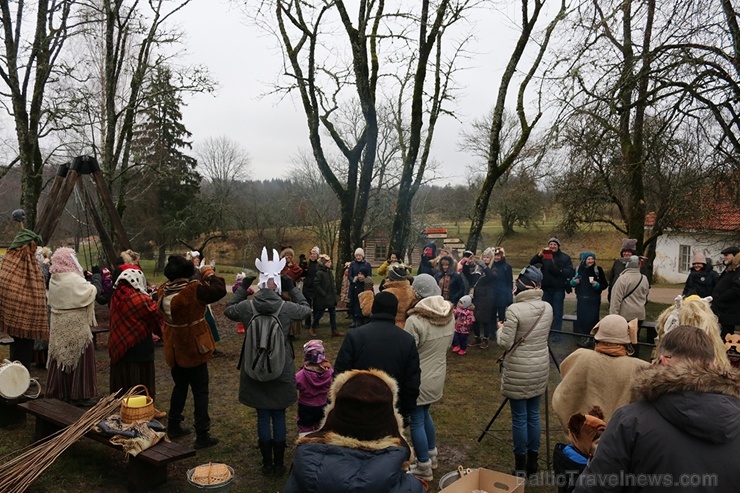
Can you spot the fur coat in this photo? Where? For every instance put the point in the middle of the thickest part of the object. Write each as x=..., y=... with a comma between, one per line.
x=406, y=298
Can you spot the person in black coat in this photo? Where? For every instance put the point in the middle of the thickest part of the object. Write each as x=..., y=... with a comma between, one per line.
x=309, y=271
x=588, y=282
x=450, y=282
x=325, y=296
x=484, y=298
x=726, y=294
x=503, y=284
x=557, y=269
x=381, y=345
x=702, y=277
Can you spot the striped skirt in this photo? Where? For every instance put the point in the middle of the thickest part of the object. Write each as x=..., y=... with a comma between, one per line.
x=125, y=374
x=74, y=385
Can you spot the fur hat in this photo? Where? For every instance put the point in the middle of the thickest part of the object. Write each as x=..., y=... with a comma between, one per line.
x=633, y=262
x=615, y=329
x=178, y=268
x=359, y=251
x=555, y=240
x=385, y=302
x=531, y=275
x=65, y=260
x=465, y=301
x=324, y=259
x=425, y=286
x=313, y=351
x=363, y=406
x=398, y=272
x=584, y=429
x=698, y=258
x=629, y=244
x=732, y=250
x=287, y=251
x=499, y=250
x=19, y=216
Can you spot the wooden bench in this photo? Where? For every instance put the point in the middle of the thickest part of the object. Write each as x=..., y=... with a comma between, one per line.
x=99, y=329
x=145, y=470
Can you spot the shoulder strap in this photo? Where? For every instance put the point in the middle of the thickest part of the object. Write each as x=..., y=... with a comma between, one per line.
x=522, y=338
x=635, y=288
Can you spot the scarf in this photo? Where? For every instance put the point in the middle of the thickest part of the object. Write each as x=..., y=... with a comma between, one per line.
x=444, y=286
x=24, y=237
x=611, y=349
x=170, y=289
x=72, y=314
x=133, y=317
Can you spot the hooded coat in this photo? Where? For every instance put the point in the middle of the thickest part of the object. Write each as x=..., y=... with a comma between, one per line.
x=281, y=392
x=726, y=294
x=329, y=462
x=425, y=265
x=526, y=369
x=456, y=283
x=432, y=324
x=685, y=421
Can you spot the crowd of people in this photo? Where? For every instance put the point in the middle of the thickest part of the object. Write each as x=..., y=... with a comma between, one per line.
x=354, y=415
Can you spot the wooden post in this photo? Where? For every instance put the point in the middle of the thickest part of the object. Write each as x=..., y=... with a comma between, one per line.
x=110, y=251
x=52, y=197
x=107, y=200
x=58, y=206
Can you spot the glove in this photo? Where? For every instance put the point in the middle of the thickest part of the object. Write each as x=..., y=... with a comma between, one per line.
x=286, y=283
x=96, y=269
x=247, y=281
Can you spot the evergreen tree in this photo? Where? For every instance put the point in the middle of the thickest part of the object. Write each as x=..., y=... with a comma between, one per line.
x=160, y=145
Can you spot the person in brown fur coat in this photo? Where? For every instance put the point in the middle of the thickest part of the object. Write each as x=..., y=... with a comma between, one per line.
x=398, y=284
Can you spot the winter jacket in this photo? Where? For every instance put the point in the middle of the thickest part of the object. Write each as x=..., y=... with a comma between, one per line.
x=425, y=265
x=685, y=420
x=526, y=368
x=555, y=272
x=188, y=341
x=567, y=463
x=484, y=295
x=456, y=285
x=281, y=392
x=406, y=298
x=313, y=386
x=380, y=345
x=432, y=324
x=324, y=291
x=630, y=306
x=503, y=283
x=583, y=288
x=701, y=282
x=464, y=319
x=594, y=379
x=726, y=294
x=308, y=276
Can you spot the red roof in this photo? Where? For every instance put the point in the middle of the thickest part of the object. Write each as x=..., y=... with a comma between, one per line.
x=723, y=217
x=429, y=231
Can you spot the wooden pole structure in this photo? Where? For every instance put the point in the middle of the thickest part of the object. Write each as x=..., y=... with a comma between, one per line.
x=52, y=197
x=110, y=251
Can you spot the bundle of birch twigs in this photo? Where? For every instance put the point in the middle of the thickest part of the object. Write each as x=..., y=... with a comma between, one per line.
x=17, y=474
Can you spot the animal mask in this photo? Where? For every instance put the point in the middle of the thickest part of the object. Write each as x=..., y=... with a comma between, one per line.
x=270, y=269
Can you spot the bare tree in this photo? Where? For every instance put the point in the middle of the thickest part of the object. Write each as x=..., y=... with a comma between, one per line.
x=498, y=164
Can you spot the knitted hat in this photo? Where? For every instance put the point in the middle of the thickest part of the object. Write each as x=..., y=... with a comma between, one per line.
x=555, y=240
x=467, y=254
x=398, y=272
x=287, y=251
x=368, y=282
x=385, y=302
x=698, y=258
x=425, y=286
x=65, y=260
x=359, y=251
x=316, y=250
x=629, y=244
x=732, y=250
x=614, y=329
x=488, y=252
x=313, y=351
x=633, y=262
x=465, y=301
x=585, y=255
x=19, y=216
x=531, y=275
x=363, y=407
x=178, y=268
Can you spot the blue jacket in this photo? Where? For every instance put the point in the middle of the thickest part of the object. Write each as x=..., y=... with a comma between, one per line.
x=503, y=283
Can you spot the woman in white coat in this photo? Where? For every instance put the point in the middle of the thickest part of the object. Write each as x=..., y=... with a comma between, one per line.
x=526, y=365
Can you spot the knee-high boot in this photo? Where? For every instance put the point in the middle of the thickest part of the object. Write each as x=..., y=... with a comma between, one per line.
x=278, y=449
x=266, y=451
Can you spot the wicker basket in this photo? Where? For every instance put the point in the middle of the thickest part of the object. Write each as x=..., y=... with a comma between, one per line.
x=132, y=414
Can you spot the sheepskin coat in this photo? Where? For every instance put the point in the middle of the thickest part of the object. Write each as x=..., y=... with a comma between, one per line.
x=406, y=298
x=685, y=420
x=592, y=379
x=527, y=367
x=432, y=324
x=630, y=306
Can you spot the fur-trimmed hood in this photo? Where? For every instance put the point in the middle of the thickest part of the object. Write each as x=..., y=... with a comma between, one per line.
x=435, y=309
x=704, y=402
x=735, y=264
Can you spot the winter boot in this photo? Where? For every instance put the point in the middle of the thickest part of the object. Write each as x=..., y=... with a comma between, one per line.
x=433, y=457
x=423, y=470
x=278, y=449
x=203, y=439
x=484, y=343
x=266, y=451
x=520, y=465
x=531, y=463
x=175, y=429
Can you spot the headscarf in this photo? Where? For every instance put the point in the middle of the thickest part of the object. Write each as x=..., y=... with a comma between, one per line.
x=65, y=260
x=135, y=278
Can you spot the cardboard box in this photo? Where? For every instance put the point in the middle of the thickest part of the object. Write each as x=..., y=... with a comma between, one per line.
x=486, y=480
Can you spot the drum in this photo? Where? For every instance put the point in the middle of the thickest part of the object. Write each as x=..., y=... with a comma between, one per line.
x=15, y=381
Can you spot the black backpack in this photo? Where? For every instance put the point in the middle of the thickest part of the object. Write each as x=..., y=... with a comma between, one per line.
x=264, y=351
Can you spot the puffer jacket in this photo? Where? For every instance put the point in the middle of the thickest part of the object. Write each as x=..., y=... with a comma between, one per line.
x=324, y=291
x=526, y=368
x=432, y=324
x=684, y=420
x=632, y=306
x=726, y=294
x=281, y=392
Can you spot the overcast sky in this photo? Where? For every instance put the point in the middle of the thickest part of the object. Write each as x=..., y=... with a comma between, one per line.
x=244, y=62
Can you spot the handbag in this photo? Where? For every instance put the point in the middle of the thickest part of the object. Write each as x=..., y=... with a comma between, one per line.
x=502, y=358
